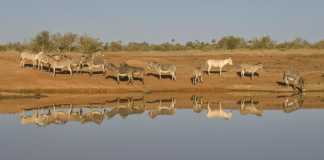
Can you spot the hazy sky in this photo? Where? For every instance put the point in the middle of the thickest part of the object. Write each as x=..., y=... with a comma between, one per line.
x=162, y=20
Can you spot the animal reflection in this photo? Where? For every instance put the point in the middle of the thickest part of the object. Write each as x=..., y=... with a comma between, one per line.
x=44, y=117
x=218, y=113
x=293, y=103
x=163, y=108
x=249, y=107
x=126, y=107
x=199, y=103
x=82, y=113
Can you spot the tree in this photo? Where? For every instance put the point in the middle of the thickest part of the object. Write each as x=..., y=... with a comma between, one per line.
x=299, y=43
x=69, y=40
x=264, y=42
x=116, y=46
x=42, y=42
x=294, y=44
x=231, y=42
x=319, y=44
x=64, y=42
x=89, y=45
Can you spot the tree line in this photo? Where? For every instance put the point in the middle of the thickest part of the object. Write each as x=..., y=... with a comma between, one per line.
x=67, y=42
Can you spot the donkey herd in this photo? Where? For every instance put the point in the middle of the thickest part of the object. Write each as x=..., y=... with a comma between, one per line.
x=96, y=63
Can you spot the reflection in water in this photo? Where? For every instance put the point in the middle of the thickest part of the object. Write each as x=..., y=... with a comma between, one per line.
x=164, y=108
x=124, y=107
x=44, y=117
x=250, y=107
x=199, y=103
x=218, y=113
x=293, y=103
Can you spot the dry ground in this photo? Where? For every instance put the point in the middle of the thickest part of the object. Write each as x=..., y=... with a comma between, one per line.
x=308, y=62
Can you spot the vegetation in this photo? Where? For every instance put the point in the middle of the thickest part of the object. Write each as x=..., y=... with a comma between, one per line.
x=88, y=44
x=67, y=42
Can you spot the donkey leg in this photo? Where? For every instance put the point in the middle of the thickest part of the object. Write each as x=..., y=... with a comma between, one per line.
x=117, y=79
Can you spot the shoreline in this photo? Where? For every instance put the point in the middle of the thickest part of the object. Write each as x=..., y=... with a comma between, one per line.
x=115, y=91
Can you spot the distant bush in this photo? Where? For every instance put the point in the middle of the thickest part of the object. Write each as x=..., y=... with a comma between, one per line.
x=297, y=43
x=115, y=46
x=319, y=45
x=3, y=47
x=231, y=42
x=67, y=42
x=135, y=46
x=262, y=43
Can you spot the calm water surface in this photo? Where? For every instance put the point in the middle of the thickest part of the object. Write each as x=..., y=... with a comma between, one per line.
x=184, y=135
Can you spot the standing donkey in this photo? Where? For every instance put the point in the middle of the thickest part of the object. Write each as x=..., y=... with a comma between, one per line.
x=218, y=63
x=169, y=69
x=295, y=78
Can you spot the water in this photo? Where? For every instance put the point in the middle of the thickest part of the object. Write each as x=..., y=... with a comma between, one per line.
x=182, y=134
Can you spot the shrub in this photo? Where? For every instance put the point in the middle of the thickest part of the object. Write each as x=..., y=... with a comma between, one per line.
x=65, y=42
x=262, y=43
x=89, y=45
x=41, y=42
x=231, y=42
x=319, y=44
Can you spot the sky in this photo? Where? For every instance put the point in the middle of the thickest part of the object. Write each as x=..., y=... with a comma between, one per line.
x=157, y=21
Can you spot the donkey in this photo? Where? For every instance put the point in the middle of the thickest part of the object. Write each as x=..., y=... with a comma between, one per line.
x=135, y=70
x=65, y=63
x=169, y=69
x=295, y=78
x=218, y=63
x=197, y=75
x=250, y=68
x=26, y=56
x=120, y=71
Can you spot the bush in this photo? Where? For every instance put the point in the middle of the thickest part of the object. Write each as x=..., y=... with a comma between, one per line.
x=41, y=42
x=90, y=45
x=65, y=42
x=3, y=47
x=319, y=45
x=116, y=46
x=295, y=44
x=231, y=42
x=262, y=43
x=134, y=46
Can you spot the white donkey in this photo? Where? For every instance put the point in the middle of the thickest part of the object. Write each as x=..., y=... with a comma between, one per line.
x=26, y=56
x=218, y=63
